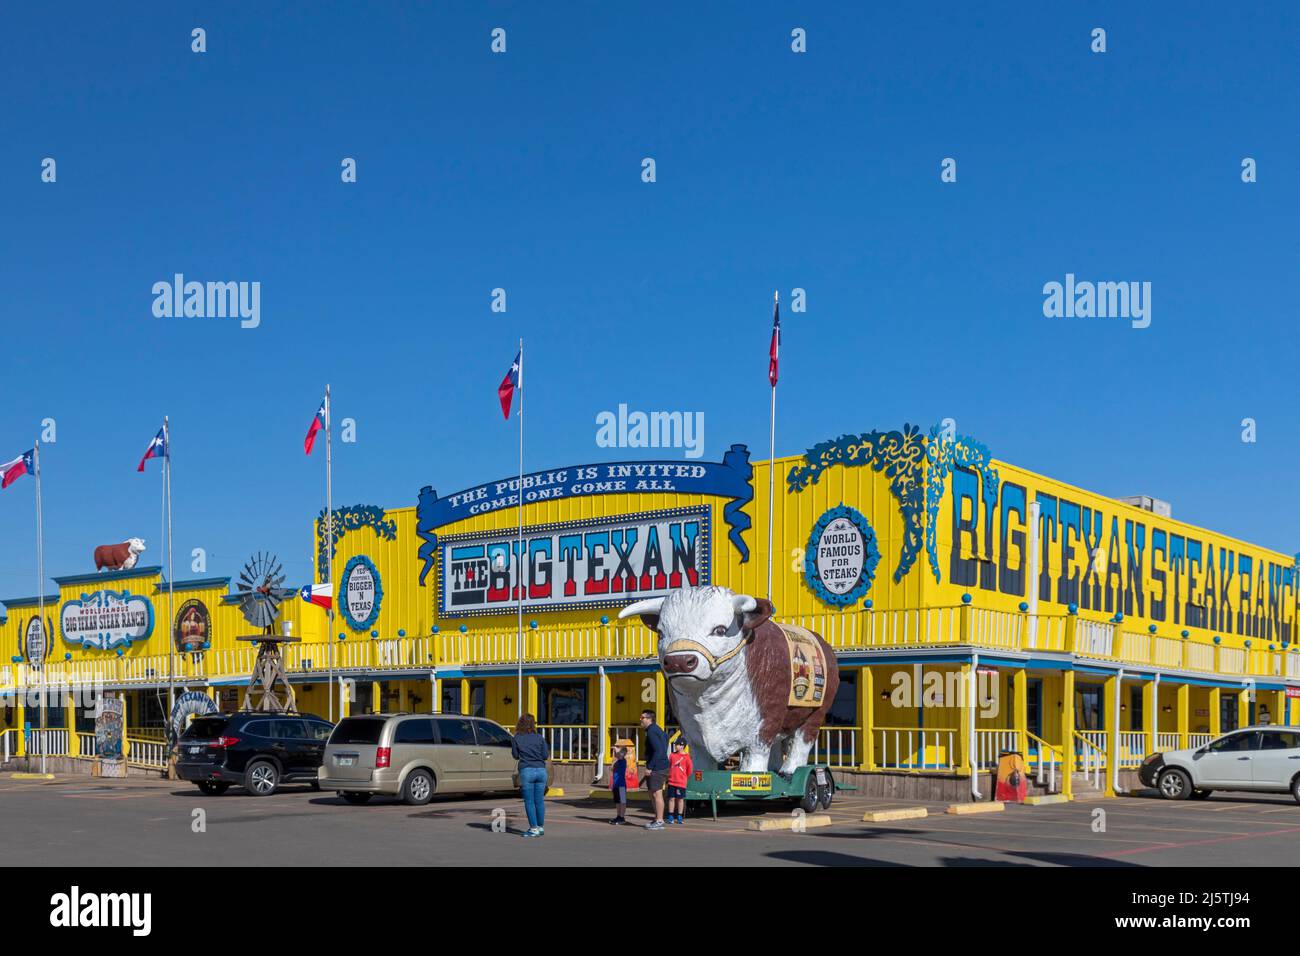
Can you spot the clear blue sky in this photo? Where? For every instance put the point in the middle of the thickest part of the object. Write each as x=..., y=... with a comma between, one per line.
x=522, y=170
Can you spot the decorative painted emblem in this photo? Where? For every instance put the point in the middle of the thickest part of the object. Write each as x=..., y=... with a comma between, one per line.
x=34, y=642
x=192, y=702
x=351, y=518
x=841, y=557
x=103, y=620
x=362, y=593
x=192, y=627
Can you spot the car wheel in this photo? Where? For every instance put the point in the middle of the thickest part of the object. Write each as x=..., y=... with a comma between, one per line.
x=418, y=788
x=261, y=779
x=1295, y=789
x=1201, y=794
x=213, y=788
x=351, y=796
x=315, y=785
x=1174, y=784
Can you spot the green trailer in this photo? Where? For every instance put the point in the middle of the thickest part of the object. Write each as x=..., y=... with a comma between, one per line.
x=809, y=787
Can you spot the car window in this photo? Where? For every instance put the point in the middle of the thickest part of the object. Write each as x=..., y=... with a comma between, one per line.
x=455, y=730
x=1279, y=740
x=319, y=730
x=258, y=728
x=286, y=729
x=414, y=732
x=1233, y=743
x=492, y=735
x=203, y=728
x=357, y=730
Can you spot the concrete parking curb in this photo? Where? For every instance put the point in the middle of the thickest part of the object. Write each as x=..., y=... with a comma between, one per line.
x=788, y=823
x=32, y=776
x=1046, y=799
x=962, y=809
x=903, y=813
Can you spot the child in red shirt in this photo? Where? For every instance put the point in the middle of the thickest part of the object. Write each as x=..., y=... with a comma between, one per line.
x=679, y=772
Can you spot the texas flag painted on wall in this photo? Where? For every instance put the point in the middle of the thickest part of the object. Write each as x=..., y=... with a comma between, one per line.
x=322, y=595
x=24, y=464
x=317, y=424
x=514, y=380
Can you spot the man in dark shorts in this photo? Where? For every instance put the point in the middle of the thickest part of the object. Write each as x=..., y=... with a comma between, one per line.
x=656, y=765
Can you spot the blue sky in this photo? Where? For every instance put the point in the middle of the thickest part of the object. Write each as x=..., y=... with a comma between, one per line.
x=522, y=171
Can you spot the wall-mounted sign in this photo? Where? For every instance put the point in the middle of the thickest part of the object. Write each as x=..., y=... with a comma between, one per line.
x=841, y=557
x=104, y=620
x=192, y=627
x=34, y=642
x=596, y=563
x=192, y=703
x=731, y=478
x=362, y=593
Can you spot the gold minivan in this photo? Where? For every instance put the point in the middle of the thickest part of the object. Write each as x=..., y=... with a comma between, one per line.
x=414, y=756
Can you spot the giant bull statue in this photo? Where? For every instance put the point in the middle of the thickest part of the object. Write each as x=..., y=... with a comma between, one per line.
x=119, y=557
x=740, y=681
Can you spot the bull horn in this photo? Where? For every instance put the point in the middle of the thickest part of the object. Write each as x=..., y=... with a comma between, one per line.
x=743, y=603
x=648, y=606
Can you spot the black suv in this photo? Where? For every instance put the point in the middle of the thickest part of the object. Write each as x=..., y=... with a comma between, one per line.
x=256, y=751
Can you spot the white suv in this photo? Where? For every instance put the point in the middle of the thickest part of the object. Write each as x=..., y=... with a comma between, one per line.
x=1262, y=759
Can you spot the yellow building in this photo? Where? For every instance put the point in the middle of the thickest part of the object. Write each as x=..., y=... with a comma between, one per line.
x=975, y=607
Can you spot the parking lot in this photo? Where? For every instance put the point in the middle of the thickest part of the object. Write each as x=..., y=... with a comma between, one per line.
x=82, y=821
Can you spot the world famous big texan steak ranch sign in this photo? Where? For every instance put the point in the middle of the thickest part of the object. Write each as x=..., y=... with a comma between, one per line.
x=601, y=562
x=730, y=478
x=104, y=620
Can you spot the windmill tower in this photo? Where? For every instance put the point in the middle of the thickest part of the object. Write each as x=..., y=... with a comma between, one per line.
x=261, y=591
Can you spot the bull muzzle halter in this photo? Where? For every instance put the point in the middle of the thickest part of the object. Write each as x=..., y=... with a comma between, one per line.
x=695, y=647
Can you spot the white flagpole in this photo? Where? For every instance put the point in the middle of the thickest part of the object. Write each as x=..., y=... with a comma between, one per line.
x=329, y=543
x=771, y=465
x=171, y=621
x=519, y=687
x=40, y=598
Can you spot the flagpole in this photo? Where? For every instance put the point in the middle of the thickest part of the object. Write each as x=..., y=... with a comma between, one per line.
x=771, y=472
x=329, y=543
x=519, y=687
x=171, y=621
x=40, y=597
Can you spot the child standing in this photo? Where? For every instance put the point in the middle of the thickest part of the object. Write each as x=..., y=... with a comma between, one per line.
x=618, y=785
x=680, y=766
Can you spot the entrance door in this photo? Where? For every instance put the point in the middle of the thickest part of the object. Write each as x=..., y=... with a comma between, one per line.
x=1034, y=704
x=1228, y=713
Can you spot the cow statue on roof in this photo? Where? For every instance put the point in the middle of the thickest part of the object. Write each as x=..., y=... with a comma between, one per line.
x=740, y=682
x=119, y=557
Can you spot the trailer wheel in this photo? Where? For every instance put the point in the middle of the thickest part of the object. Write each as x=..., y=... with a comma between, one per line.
x=826, y=794
x=810, y=796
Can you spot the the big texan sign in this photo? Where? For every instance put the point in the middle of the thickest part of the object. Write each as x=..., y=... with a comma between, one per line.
x=104, y=620
x=603, y=562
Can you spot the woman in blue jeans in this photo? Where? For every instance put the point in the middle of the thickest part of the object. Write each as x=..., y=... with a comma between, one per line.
x=534, y=755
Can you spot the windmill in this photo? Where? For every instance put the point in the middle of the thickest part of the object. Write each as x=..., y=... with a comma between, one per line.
x=260, y=592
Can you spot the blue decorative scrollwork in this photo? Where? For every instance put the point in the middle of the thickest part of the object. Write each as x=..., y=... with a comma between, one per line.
x=900, y=455
x=942, y=455
x=866, y=568
x=350, y=518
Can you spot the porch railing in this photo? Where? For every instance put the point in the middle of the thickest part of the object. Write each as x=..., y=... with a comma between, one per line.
x=990, y=744
x=1089, y=758
x=1199, y=740
x=1044, y=758
x=837, y=747
x=1166, y=742
x=913, y=748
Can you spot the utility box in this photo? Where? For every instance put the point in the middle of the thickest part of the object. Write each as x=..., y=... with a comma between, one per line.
x=1162, y=509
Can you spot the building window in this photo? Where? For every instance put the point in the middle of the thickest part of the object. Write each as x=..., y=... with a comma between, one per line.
x=844, y=709
x=1135, y=708
x=563, y=702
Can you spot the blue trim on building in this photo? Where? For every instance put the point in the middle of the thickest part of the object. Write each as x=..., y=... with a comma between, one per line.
x=30, y=601
x=99, y=577
x=194, y=584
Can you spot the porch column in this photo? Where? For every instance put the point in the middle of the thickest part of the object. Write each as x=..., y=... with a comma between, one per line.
x=345, y=699
x=1215, y=725
x=435, y=688
x=376, y=697
x=464, y=696
x=964, y=736
x=403, y=697
x=1151, y=713
x=530, y=697
x=1020, y=710
x=660, y=688
x=867, y=716
x=70, y=723
x=1184, y=708
x=1111, y=689
x=606, y=713
x=20, y=721
x=1067, y=732
x=1243, y=707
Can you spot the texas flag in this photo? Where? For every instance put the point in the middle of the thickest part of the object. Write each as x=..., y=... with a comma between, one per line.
x=514, y=380
x=774, y=349
x=24, y=464
x=317, y=424
x=322, y=595
x=157, y=448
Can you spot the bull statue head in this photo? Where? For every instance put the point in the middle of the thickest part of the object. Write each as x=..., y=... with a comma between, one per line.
x=701, y=630
x=136, y=545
